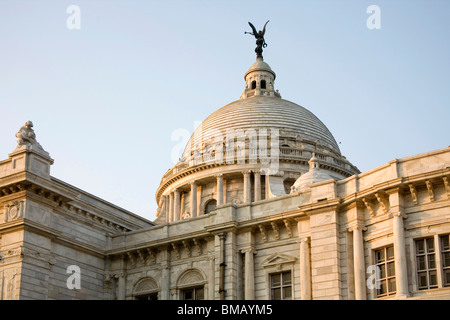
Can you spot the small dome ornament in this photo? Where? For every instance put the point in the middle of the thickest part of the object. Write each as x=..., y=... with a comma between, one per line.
x=315, y=174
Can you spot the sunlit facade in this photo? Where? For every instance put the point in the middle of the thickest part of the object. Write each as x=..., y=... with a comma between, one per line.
x=261, y=205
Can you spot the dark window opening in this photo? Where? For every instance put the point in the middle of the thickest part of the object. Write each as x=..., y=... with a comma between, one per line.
x=253, y=84
x=210, y=206
x=149, y=296
x=263, y=84
x=193, y=294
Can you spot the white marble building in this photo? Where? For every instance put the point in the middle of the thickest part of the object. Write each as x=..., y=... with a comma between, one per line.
x=262, y=205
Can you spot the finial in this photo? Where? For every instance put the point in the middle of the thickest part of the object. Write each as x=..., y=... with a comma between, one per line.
x=313, y=162
x=260, y=42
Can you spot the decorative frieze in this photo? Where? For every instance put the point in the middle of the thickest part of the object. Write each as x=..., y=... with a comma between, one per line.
x=382, y=201
x=288, y=225
x=430, y=190
x=413, y=191
x=262, y=229
x=197, y=246
x=369, y=206
x=275, y=229
x=447, y=186
x=187, y=248
x=175, y=250
x=14, y=210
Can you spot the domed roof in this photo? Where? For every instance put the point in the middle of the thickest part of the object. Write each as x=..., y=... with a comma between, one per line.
x=263, y=112
x=259, y=65
x=315, y=174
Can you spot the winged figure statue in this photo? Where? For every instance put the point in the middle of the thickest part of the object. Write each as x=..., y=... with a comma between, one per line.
x=259, y=35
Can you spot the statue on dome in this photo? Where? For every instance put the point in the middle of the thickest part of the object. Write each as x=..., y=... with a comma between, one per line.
x=26, y=136
x=260, y=42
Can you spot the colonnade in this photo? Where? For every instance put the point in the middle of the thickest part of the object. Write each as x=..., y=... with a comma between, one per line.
x=175, y=210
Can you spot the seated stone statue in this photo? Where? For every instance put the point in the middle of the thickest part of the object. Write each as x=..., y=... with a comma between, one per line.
x=26, y=136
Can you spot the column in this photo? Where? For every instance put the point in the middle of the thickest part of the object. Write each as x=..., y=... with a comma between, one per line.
x=257, y=175
x=249, y=274
x=400, y=255
x=305, y=269
x=219, y=189
x=176, y=205
x=121, y=286
x=212, y=277
x=397, y=211
x=121, y=283
x=247, y=190
x=193, y=198
x=170, y=211
x=267, y=181
x=222, y=239
x=358, y=261
x=165, y=277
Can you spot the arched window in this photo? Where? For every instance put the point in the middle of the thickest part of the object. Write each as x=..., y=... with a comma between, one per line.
x=263, y=84
x=253, y=84
x=191, y=285
x=146, y=289
x=210, y=206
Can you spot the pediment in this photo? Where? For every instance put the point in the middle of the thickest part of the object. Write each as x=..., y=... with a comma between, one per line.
x=278, y=259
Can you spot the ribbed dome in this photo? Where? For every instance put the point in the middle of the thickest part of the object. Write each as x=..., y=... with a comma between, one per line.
x=262, y=112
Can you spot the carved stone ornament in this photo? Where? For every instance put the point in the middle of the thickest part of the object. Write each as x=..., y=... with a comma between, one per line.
x=14, y=210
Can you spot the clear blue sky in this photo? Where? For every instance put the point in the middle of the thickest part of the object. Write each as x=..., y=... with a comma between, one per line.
x=106, y=98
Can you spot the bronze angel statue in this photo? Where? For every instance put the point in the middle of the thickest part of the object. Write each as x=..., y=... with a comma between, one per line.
x=260, y=42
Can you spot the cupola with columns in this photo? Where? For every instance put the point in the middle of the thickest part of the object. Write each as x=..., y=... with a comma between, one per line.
x=259, y=80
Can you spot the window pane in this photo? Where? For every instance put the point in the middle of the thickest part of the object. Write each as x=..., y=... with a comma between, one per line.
x=446, y=256
x=392, y=287
x=431, y=262
x=390, y=253
x=445, y=243
x=383, y=287
x=200, y=294
x=423, y=283
x=286, y=278
x=287, y=292
x=276, y=280
x=433, y=278
x=430, y=245
x=421, y=263
x=379, y=256
x=420, y=248
x=391, y=269
x=382, y=271
x=446, y=277
x=276, y=294
x=188, y=295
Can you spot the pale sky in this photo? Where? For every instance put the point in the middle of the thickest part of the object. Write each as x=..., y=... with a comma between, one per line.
x=106, y=98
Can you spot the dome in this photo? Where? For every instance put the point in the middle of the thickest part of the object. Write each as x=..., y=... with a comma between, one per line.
x=263, y=112
x=259, y=65
x=315, y=174
x=259, y=134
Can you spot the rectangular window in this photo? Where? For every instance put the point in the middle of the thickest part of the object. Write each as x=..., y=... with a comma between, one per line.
x=445, y=251
x=193, y=294
x=281, y=286
x=426, y=264
x=384, y=259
